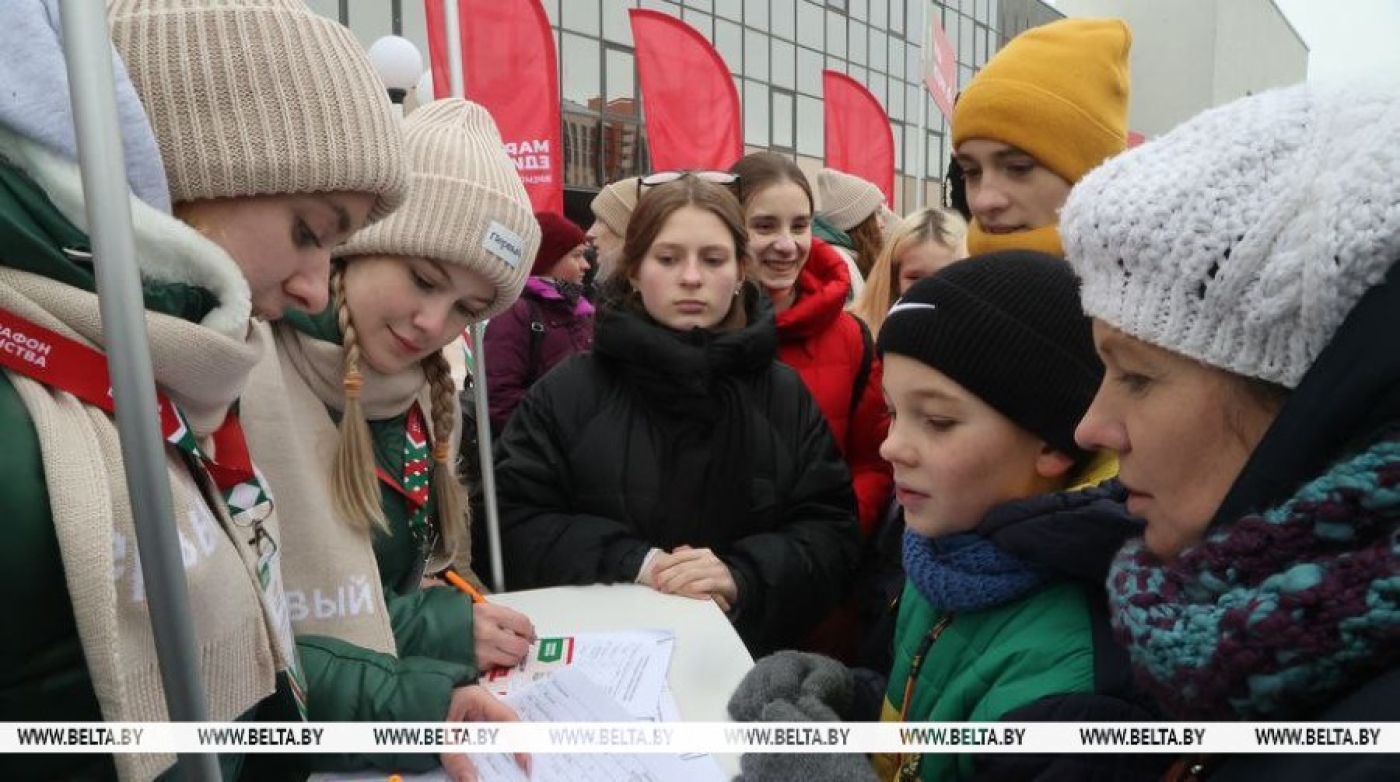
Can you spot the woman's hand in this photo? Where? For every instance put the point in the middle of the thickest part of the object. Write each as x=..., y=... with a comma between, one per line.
x=475, y=704
x=502, y=636
x=697, y=573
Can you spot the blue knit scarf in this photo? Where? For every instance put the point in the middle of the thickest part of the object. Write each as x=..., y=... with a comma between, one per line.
x=967, y=572
x=1276, y=614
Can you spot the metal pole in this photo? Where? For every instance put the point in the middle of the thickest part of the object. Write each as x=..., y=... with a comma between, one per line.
x=483, y=405
x=88, y=53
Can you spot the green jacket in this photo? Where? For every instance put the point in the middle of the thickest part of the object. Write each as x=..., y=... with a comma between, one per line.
x=434, y=622
x=43, y=674
x=987, y=663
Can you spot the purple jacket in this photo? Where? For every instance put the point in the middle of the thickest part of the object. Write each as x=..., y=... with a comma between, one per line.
x=516, y=357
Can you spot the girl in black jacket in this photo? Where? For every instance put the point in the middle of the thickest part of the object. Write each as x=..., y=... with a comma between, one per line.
x=679, y=454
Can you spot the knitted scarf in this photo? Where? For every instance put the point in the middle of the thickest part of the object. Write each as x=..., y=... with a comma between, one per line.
x=1278, y=613
x=242, y=642
x=333, y=585
x=1045, y=239
x=317, y=365
x=967, y=572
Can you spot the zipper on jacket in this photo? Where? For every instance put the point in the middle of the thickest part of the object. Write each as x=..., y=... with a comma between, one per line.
x=908, y=769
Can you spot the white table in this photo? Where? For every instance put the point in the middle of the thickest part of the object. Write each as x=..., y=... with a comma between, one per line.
x=708, y=661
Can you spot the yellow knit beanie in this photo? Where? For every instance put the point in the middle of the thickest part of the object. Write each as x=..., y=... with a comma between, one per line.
x=260, y=97
x=1058, y=92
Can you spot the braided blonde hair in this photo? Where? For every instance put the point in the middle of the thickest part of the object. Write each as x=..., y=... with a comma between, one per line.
x=453, y=516
x=353, y=481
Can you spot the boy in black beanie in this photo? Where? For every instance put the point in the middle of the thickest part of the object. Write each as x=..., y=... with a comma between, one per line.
x=1010, y=529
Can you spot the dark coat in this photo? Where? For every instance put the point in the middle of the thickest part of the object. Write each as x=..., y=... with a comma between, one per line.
x=580, y=479
x=523, y=343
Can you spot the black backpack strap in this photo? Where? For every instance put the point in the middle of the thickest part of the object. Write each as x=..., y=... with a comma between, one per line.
x=536, y=340
x=867, y=359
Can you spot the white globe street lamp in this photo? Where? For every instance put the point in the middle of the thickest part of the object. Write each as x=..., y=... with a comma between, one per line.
x=398, y=63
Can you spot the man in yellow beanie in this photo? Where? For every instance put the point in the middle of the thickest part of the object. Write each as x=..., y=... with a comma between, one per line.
x=1048, y=108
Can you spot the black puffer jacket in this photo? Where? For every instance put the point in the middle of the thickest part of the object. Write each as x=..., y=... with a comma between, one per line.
x=659, y=439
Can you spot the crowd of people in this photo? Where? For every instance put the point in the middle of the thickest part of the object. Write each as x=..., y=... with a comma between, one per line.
x=1113, y=437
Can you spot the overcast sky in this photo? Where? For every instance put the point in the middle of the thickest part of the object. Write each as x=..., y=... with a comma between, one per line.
x=1346, y=37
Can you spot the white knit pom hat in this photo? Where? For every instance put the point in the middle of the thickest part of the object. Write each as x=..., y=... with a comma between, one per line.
x=1243, y=237
x=259, y=97
x=466, y=204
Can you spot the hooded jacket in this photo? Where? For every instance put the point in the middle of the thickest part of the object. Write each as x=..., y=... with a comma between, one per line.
x=581, y=474
x=825, y=344
x=517, y=356
x=1047, y=656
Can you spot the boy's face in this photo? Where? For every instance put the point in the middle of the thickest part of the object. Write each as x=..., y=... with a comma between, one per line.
x=955, y=457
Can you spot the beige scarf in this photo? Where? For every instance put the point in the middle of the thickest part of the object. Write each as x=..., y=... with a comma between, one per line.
x=332, y=579
x=317, y=366
x=241, y=640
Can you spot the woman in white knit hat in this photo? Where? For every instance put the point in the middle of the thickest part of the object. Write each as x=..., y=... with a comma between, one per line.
x=1242, y=274
x=355, y=422
x=267, y=172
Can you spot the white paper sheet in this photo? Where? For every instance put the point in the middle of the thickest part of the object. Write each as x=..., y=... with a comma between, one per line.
x=630, y=666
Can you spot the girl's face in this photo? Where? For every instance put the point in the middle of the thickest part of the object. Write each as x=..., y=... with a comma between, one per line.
x=1182, y=431
x=922, y=260
x=779, y=220
x=690, y=276
x=572, y=267
x=282, y=243
x=1009, y=191
x=955, y=457
x=404, y=309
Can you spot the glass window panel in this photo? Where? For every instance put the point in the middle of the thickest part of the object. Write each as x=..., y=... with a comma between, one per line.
x=729, y=42
x=964, y=76
x=911, y=150
x=879, y=50
x=877, y=84
x=617, y=27
x=879, y=14
x=914, y=16
x=894, y=104
x=913, y=68
x=783, y=18
x=860, y=40
x=756, y=15
x=979, y=47
x=700, y=21
x=581, y=58
x=755, y=56
x=703, y=5
x=660, y=5
x=782, y=119
x=809, y=71
x=858, y=10
x=784, y=64
x=810, y=24
x=933, y=160
x=581, y=16
x=811, y=129
x=755, y=113
x=581, y=133
x=897, y=17
x=835, y=33
x=621, y=82
x=858, y=73
x=730, y=9
x=992, y=11
x=966, y=50
x=623, y=150
x=896, y=67
x=897, y=131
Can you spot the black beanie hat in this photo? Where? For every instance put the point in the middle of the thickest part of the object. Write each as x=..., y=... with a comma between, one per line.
x=1008, y=327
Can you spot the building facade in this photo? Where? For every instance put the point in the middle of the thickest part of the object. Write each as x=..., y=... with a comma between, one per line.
x=776, y=51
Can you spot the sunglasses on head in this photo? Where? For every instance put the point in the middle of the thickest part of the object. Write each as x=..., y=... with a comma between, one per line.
x=663, y=177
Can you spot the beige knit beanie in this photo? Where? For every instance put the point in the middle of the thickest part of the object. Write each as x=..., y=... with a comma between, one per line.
x=259, y=97
x=466, y=204
x=846, y=200
x=614, y=204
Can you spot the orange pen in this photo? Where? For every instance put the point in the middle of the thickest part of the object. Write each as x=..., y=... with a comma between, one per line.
x=461, y=583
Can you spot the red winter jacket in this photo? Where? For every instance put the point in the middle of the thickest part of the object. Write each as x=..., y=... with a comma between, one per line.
x=823, y=342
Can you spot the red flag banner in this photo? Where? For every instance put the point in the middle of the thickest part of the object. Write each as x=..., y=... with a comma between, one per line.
x=940, y=66
x=511, y=69
x=439, y=60
x=688, y=96
x=858, y=136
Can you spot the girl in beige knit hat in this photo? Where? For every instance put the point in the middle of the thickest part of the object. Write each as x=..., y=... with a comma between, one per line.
x=355, y=423
x=276, y=144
